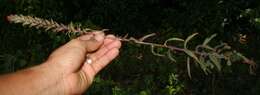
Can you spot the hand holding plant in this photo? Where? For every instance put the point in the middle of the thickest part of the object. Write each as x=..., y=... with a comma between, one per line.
x=206, y=56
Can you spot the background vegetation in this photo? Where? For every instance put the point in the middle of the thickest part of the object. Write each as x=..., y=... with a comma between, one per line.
x=137, y=71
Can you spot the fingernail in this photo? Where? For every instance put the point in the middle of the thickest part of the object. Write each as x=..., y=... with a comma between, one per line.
x=111, y=36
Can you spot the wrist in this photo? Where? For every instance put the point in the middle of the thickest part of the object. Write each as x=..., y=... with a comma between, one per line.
x=46, y=79
x=43, y=79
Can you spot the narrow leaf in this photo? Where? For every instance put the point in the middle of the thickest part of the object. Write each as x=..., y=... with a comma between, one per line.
x=173, y=39
x=155, y=53
x=207, y=40
x=245, y=59
x=216, y=61
x=188, y=67
x=191, y=54
x=188, y=39
x=146, y=36
x=170, y=56
x=210, y=64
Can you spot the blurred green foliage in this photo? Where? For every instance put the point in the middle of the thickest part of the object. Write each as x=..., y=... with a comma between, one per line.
x=136, y=71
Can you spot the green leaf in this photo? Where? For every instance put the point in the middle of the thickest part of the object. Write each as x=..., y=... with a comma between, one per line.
x=236, y=56
x=207, y=40
x=210, y=64
x=188, y=39
x=191, y=54
x=207, y=71
x=188, y=67
x=170, y=56
x=155, y=53
x=146, y=36
x=215, y=60
x=208, y=47
x=241, y=56
x=173, y=39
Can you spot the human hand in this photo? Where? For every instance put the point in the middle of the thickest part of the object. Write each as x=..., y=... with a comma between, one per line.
x=70, y=59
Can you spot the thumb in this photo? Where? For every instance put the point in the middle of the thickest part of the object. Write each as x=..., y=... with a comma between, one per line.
x=90, y=42
x=73, y=54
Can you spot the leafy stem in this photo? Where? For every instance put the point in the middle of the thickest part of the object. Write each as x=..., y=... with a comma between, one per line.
x=152, y=44
x=206, y=56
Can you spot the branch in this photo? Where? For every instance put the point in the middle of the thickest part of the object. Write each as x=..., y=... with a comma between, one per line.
x=205, y=55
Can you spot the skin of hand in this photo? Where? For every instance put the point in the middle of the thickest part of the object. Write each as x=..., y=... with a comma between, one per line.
x=65, y=72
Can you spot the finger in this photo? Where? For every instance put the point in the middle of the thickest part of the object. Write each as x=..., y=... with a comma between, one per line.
x=108, y=39
x=74, y=46
x=89, y=43
x=104, y=49
x=108, y=44
x=80, y=45
x=90, y=70
x=104, y=60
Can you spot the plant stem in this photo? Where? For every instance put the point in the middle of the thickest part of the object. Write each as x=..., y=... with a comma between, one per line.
x=153, y=44
x=173, y=48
